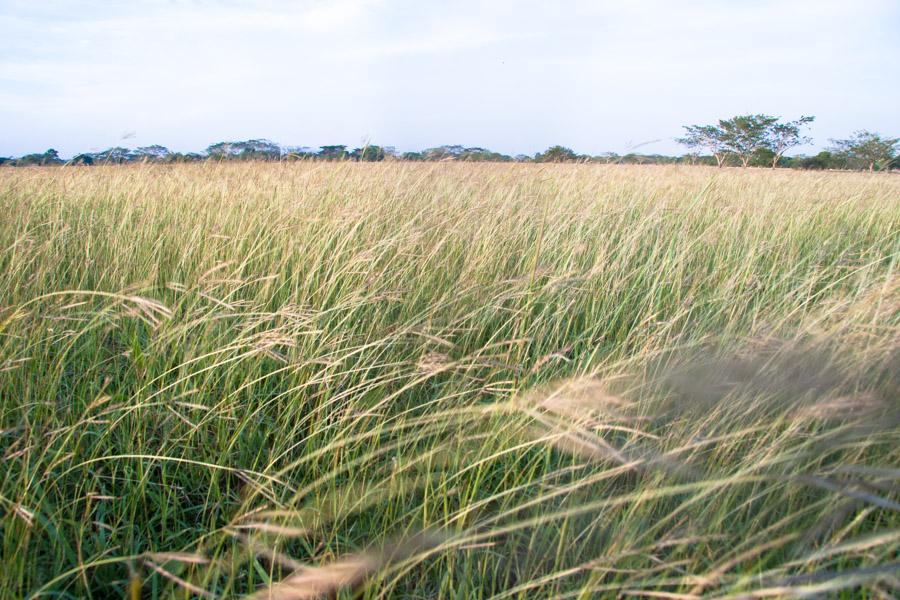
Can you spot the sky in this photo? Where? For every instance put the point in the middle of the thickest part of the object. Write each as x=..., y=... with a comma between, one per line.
x=513, y=76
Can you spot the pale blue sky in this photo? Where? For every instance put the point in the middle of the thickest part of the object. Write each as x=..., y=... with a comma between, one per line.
x=514, y=76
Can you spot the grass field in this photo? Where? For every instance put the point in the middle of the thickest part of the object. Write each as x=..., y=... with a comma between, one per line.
x=448, y=381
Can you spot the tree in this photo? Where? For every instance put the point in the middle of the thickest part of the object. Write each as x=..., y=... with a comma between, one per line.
x=293, y=153
x=178, y=157
x=81, y=159
x=155, y=153
x=752, y=138
x=450, y=152
x=220, y=150
x=822, y=160
x=556, y=154
x=744, y=135
x=784, y=136
x=257, y=150
x=706, y=137
x=691, y=158
x=333, y=152
x=866, y=148
x=762, y=157
x=50, y=157
x=477, y=154
x=607, y=157
x=247, y=150
x=368, y=154
x=116, y=155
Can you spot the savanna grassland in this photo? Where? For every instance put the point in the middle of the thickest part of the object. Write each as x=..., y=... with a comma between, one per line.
x=448, y=381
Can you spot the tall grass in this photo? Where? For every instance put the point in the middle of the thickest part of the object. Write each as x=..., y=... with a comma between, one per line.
x=460, y=381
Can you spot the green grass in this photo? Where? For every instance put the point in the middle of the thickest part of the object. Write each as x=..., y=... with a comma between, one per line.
x=579, y=381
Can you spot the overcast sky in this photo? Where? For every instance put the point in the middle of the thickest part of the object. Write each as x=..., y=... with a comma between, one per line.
x=514, y=76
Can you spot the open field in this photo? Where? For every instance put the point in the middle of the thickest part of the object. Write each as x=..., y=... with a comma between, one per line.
x=448, y=380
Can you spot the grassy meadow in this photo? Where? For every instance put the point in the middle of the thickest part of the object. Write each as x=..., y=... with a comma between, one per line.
x=448, y=381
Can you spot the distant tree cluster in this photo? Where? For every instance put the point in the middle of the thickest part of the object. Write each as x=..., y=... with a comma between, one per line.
x=747, y=140
x=446, y=153
x=756, y=140
x=866, y=150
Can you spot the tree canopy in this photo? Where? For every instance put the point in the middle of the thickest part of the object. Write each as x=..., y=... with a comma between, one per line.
x=708, y=138
x=784, y=136
x=748, y=138
x=49, y=157
x=868, y=150
x=557, y=154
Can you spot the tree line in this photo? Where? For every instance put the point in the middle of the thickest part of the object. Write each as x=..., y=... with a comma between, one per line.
x=746, y=140
x=763, y=140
